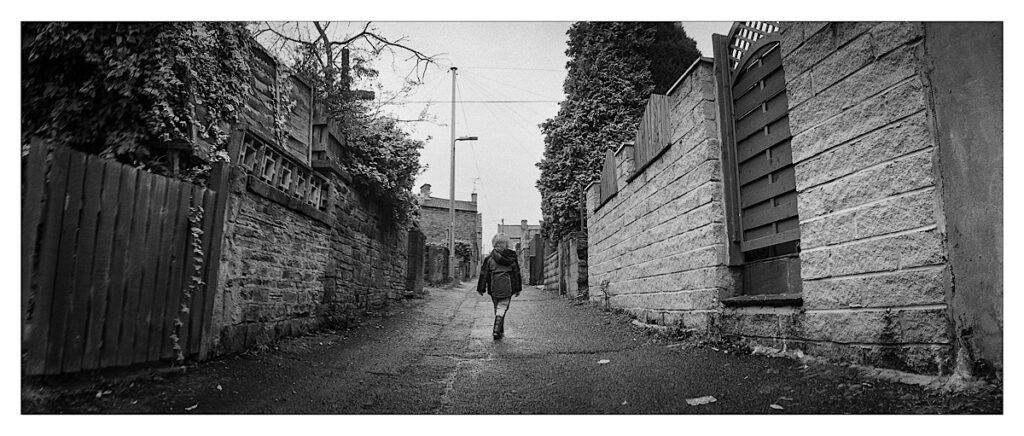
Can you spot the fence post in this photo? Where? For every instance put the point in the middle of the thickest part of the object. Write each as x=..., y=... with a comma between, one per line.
x=32, y=193
x=219, y=183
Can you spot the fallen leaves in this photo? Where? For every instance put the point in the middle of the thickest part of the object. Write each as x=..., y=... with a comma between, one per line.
x=603, y=361
x=707, y=399
x=192, y=407
x=776, y=406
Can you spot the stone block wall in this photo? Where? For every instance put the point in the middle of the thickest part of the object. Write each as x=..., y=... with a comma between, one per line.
x=272, y=265
x=873, y=255
x=889, y=153
x=434, y=222
x=657, y=249
x=435, y=225
x=288, y=268
x=289, y=262
x=551, y=274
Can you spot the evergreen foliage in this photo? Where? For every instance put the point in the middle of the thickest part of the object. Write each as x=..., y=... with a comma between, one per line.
x=613, y=68
x=127, y=90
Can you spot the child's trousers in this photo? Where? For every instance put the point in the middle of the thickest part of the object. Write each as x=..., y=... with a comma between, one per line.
x=501, y=306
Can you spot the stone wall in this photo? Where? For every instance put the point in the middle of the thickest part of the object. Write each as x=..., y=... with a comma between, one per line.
x=435, y=221
x=890, y=151
x=657, y=249
x=872, y=250
x=551, y=274
x=435, y=224
x=288, y=268
x=302, y=248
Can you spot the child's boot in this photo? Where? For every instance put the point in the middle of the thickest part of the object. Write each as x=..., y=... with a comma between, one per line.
x=498, y=322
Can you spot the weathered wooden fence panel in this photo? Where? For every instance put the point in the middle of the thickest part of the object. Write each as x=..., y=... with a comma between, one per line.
x=108, y=257
x=609, y=182
x=654, y=133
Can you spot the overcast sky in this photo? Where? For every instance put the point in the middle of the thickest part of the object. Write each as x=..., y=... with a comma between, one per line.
x=497, y=61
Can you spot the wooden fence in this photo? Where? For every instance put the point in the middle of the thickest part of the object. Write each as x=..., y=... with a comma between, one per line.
x=108, y=259
x=654, y=133
x=609, y=182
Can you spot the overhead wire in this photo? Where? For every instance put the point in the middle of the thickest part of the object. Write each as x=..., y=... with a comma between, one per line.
x=472, y=148
x=496, y=116
x=508, y=85
x=515, y=68
x=512, y=114
x=489, y=92
x=472, y=101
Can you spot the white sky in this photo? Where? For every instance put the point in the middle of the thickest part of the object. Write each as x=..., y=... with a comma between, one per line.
x=497, y=61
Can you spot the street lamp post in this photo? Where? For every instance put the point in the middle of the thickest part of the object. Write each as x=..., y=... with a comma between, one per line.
x=451, y=210
x=451, y=192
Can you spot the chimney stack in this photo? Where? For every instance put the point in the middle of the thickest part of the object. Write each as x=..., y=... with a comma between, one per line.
x=473, y=196
x=425, y=190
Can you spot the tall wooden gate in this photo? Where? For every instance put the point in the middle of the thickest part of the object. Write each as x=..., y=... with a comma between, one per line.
x=414, y=275
x=757, y=159
x=114, y=263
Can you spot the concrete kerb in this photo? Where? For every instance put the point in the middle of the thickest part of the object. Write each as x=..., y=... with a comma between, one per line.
x=955, y=383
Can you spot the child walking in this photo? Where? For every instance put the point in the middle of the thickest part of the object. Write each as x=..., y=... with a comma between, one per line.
x=499, y=276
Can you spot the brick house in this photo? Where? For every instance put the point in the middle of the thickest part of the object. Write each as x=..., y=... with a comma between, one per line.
x=435, y=218
x=519, y=235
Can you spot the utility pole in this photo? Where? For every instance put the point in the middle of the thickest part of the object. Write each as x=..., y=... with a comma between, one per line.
x=451, y=192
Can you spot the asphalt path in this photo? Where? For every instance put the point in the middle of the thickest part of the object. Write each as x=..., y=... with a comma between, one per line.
x=436, y=356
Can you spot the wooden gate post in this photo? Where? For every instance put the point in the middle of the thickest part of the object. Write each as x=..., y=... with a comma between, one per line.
x=219, y=183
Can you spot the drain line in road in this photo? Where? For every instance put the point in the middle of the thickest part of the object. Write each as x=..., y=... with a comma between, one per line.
x=449, y=386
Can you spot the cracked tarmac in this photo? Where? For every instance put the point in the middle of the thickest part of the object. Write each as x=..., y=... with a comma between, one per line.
x=436, y=355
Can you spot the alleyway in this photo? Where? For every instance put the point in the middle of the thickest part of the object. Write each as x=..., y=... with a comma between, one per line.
x=436, y=356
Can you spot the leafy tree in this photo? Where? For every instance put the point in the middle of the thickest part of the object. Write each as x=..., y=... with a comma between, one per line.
x=127, y=90
x=613, y=68
x=380, y=155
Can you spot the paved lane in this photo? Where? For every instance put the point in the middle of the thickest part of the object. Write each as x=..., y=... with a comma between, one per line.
x=436, y=355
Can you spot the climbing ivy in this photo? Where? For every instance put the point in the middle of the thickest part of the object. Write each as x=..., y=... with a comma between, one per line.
x=195, y=220
x=382, y=158
x=128, y=90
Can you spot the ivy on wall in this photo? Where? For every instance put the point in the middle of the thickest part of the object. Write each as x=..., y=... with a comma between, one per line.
x=129, y=91
x=135, y=91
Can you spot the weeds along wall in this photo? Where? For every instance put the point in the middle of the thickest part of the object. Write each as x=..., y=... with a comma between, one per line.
x=875, y=284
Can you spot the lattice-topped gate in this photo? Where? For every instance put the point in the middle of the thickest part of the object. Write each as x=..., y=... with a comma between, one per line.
x=757, y=158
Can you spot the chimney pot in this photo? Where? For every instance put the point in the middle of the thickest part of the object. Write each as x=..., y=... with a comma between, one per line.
x=425, y=190
x=473, y=196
